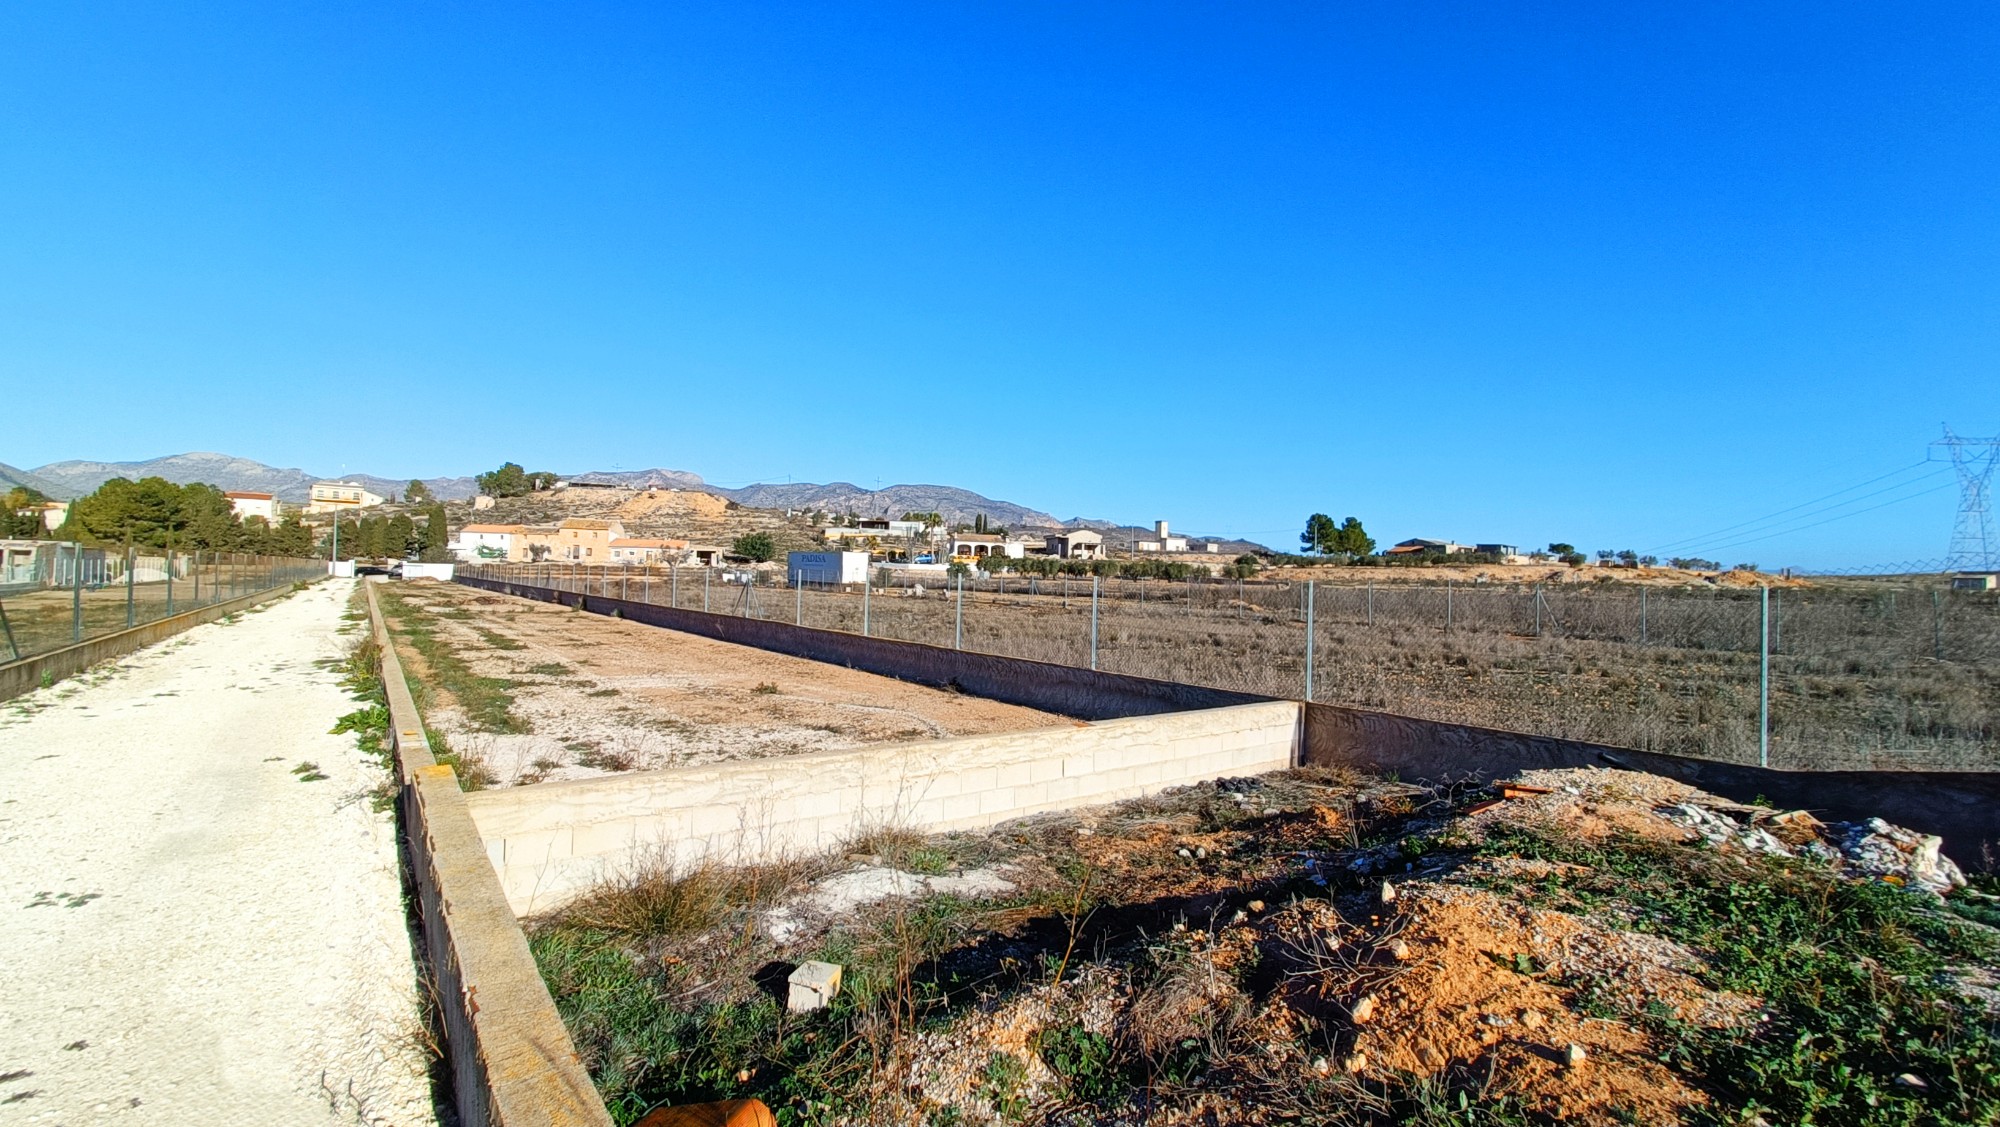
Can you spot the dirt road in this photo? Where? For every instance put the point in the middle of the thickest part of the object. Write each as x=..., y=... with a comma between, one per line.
x=195, y=925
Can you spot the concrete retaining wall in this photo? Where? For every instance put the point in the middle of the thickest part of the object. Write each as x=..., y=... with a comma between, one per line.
x=17, y=677
x=512, y=1061
x=551, y=840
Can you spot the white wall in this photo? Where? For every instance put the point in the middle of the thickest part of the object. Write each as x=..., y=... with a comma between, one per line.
x=550, y=841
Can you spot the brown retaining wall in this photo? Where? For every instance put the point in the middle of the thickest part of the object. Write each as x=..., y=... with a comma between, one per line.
x=1961, y=807
x=17, y=677
x=512, y=1061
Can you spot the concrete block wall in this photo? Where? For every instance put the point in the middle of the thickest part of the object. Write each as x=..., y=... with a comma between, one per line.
x=512, y=1060
x=550, y=841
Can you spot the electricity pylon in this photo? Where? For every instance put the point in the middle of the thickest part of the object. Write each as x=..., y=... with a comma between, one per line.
x=1973, y=544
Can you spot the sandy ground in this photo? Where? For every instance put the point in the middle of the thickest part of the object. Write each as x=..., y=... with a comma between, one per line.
x=190, y=931
x=599, y=695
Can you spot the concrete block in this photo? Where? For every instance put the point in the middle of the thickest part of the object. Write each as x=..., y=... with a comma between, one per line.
x=961, y=806
x=998, y=801
x=976, y=779
x=812, y=986
x=1016, y=774
x=1044, y=767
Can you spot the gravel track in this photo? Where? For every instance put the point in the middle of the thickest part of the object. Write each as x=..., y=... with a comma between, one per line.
x=192, y=930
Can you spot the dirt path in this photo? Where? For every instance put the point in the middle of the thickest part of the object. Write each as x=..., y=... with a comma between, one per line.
x=192, y=929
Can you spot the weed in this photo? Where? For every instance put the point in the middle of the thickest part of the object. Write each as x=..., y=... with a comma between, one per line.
x=498, y=640
x=1853, y=974
x=308, y=772
x=765, y=688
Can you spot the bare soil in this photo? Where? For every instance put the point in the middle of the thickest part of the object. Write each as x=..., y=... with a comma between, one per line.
x=589, y=695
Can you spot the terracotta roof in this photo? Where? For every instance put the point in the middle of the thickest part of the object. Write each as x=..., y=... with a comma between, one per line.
x=647, y=542
x=250, y=496
x=513, y=529
x=587, y=525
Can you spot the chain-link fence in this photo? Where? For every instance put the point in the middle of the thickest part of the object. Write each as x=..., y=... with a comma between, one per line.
x=1855, y=675
x=55, y=594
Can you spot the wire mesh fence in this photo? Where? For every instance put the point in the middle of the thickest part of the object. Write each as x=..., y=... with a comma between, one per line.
x=1881, y=676
x=60, y=594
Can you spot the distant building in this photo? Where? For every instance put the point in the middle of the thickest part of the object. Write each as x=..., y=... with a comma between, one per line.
x=53, y=513
x=1077, y=544
x=1497, y=549
x=1420, y=546
x=1976, y=581
x=1162, y=541
x=247, y=505
x=643, y=550
x=874, y=528
x=973, y=545
x=492, y=542
x=826, y=567
x=50, y=563
x=340, y=496
x=587, y=540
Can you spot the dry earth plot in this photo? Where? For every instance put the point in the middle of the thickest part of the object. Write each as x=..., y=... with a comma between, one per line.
x=530, y=692
x=200, y=914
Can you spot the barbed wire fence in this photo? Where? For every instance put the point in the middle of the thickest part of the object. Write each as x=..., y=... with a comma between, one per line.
x=1886, y=675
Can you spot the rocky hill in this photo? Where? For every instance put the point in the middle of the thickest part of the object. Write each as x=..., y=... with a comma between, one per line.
x=11, y=477
x=76, y=478
x=65, y=480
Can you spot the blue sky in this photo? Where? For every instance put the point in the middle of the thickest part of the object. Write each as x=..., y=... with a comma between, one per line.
x=1620, y=276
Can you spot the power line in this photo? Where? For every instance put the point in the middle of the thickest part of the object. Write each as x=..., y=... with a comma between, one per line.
x=1832, y=519
x=1801, y=505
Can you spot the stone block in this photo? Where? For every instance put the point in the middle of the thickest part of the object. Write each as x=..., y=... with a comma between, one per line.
x=812, y=986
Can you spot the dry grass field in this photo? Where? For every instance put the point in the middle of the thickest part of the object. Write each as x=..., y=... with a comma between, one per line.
x=1863, y=675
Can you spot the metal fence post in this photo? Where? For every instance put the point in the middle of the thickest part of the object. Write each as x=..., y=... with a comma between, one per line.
x=196, y=568
x=798, y=600
x=705, y=573
x=170, y=574
x=76, y=590
x=958, y=620
x=1309, y=641
x=1093, y=622
x=131, y=608
x=1764, y=677
x=674, y=585
x=1538, y=610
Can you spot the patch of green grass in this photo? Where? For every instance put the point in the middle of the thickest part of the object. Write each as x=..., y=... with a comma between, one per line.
x=499, y=641
x=551, y=669
x=309, y=772
x=1853, y=975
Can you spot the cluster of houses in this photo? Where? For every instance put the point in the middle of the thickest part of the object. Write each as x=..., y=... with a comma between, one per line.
x=1420, y=546
x=881, y=534
x=575, y=540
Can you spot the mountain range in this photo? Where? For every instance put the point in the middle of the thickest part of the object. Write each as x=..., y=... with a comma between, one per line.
x=71, y=479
